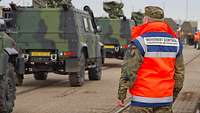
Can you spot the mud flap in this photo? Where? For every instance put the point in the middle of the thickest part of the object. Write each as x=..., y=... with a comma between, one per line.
x=72, y=65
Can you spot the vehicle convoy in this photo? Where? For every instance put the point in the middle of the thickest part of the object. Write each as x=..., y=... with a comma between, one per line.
x=60, y=40
x=10, y=65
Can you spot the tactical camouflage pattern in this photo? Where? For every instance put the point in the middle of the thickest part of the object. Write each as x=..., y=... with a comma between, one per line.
x=115, y=35
x=114, y=9
x=154, y=12
x=41, y=32
x=5, y=42
x=55, y=33
x=58, y=3
x=179, y=75
x=8, y=59
x=165, y=109
x=138, y=17
x=132, y=62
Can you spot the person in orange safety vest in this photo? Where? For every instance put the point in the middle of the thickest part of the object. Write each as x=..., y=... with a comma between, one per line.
x=196, y=40
x=153, y=68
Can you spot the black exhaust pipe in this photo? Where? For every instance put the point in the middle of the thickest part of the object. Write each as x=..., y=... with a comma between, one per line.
x=87, y=9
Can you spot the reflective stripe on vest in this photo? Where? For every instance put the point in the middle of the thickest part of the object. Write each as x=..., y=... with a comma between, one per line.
x=152, y=100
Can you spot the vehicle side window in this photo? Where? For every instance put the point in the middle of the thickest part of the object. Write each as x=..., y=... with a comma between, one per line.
x=86, y=25
x=91, y=27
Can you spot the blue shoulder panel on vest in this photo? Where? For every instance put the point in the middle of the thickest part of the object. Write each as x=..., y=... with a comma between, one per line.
x=156, y=34
x=139, y=46
x=158, y=48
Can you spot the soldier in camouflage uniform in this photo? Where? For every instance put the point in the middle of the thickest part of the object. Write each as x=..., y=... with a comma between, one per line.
x=132, y=63
x=113, y=8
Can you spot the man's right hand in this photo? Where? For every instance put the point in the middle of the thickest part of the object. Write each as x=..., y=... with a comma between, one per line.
x=120, y=103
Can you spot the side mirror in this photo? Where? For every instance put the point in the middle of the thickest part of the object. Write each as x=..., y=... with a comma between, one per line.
x=99, y=29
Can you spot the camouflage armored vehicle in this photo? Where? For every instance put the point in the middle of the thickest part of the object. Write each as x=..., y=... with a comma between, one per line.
x=115, y=35
x=60, y=40
x=116, y=29
x=113, y=8
x=137, y=17
x=9, y=66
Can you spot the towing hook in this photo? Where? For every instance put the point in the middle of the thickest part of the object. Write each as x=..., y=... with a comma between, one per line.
x=117, y=49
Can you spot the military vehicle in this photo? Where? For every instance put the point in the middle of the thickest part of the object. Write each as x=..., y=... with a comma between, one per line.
x=116, y=31
x=50, y=3
x=10, y=64
x=188, y=28
x=115, y=36
x=60, y=40
x=172, y=23
x=137, y=17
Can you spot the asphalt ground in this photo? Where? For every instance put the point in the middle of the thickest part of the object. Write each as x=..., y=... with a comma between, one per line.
x=55, y=95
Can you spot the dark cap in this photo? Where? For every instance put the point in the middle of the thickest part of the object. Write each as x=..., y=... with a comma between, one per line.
x=154, y=12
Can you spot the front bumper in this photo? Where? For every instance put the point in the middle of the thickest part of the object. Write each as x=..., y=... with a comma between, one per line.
x=67, y=65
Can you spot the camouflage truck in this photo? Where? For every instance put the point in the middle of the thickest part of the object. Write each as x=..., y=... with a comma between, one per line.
x=9, y=66
x=137, y=17
x=115, y=36
x=116, y=29
x=60, y=40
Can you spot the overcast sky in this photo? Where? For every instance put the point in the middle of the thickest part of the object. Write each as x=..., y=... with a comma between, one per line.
x=173, y=8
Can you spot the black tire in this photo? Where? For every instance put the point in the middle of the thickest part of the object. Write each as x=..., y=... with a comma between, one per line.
x=95, y=73
x=40, y=75
x=19, y=80
x=102, y=56
x=78, y=78
x=8, y=90
x=103, y=60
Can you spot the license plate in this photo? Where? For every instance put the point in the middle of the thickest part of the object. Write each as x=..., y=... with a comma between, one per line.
x=40, y=54
x=109, y=46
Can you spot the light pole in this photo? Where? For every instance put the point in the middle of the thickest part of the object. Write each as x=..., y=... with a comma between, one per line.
x=187, y=8
x=164, y=5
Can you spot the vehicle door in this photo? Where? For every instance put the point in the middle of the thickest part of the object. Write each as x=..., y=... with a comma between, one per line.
x=91, y=37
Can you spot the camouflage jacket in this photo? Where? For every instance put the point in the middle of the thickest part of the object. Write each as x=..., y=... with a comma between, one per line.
x=132, y=62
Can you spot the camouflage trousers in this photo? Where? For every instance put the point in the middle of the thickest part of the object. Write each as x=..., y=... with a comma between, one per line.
x=136, y=109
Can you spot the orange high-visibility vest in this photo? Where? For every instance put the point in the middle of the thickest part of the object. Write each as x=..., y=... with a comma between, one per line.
x=154, y=83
